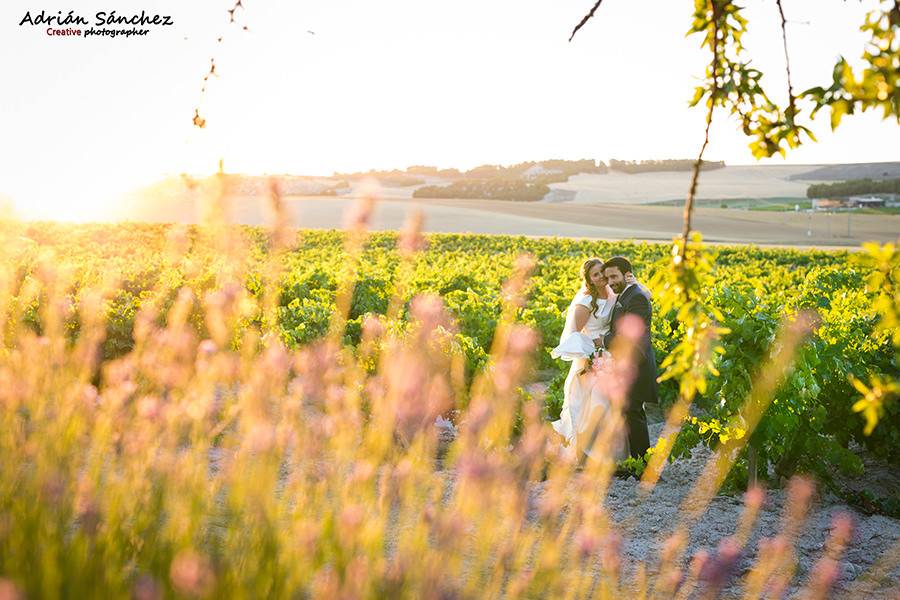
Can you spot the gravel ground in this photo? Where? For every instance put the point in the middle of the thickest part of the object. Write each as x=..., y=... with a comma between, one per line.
x=876, y=538
x=869, y=567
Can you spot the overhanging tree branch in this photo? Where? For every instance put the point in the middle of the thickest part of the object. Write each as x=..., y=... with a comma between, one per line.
x=584, y=20
x=791, y=110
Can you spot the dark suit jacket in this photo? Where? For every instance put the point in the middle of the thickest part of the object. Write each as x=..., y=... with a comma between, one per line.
x=636, y=301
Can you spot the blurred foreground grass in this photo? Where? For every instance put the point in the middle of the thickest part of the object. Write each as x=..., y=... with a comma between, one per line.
x=216, y=457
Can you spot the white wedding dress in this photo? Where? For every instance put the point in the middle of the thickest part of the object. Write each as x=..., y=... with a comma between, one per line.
x=582, y=396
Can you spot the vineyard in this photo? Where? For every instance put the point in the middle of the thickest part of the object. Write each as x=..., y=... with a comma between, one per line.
x=807, y=428
x=186, y=359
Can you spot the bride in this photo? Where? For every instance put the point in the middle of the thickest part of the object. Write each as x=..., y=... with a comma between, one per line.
x=587, y=320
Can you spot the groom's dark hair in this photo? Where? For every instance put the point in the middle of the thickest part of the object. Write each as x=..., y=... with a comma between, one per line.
x=619, y=262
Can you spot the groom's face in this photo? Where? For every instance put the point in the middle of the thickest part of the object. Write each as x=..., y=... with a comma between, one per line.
x=615, y=278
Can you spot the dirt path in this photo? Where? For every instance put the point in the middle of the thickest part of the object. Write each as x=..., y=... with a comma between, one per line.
x=870, y=567
x=875, y=537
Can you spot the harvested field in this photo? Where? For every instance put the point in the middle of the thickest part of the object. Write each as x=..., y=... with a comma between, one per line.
x=746, y=181
x=564, y=219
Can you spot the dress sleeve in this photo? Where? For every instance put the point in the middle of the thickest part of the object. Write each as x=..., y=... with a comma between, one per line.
x=584, y=300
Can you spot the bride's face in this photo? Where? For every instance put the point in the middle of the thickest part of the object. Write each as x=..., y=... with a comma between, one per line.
x=598, y=279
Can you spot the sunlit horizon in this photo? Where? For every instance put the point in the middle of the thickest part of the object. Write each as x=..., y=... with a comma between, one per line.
x=81, y=201
x=307, y=91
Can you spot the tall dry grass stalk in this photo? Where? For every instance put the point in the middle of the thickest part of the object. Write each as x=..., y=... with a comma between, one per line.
x=232, y=466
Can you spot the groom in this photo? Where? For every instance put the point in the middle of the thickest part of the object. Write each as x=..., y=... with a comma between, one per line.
x=633, y=298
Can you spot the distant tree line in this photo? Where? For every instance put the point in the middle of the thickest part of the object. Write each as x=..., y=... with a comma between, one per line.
x=556, y=169
x=288, y=185
x=491, y=189
x=853, y=187
x=433, y=172
x=540, y=172
x=393, y=178
x=574, y=166
x=647, y=166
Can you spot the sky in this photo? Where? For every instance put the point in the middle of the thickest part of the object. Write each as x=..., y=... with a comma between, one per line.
x=313, y=87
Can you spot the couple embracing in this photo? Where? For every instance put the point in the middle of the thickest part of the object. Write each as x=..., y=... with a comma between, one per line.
x=594, y=323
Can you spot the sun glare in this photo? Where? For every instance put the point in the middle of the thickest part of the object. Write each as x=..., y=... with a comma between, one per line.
x=81, y=191
x=73, y=199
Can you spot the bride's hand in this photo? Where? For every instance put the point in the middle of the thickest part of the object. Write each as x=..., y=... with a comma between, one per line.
x=630, y=279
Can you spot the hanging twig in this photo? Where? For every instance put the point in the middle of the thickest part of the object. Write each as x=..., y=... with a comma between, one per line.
x=198, y=120
x=695, y=177
x=714, y=92
x=238, y=4
x=791, y=111
x=586, y=18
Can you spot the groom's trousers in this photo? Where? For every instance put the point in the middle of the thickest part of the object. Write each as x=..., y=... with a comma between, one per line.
x=643, y=390
x=638, y=436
